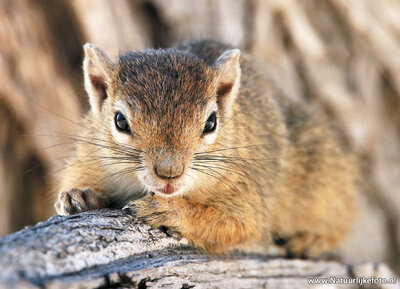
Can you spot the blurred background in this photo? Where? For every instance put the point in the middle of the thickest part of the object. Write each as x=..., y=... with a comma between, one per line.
x=344, y=54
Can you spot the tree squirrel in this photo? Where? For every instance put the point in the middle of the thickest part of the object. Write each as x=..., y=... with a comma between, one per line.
x=216, y=151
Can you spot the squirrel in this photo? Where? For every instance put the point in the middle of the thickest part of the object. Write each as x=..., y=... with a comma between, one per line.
x=197, y=139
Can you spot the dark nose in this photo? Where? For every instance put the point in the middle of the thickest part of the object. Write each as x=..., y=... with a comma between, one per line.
x=169, y=168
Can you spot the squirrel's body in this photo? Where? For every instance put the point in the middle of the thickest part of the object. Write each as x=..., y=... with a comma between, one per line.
x=269, y=168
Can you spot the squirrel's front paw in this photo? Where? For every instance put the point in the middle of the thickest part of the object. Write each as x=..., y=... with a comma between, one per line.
x=156, y=211
x=305, y=246
x=76, y=201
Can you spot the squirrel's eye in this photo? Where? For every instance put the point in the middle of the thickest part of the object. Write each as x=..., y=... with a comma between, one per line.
x=211, y=124
x=121, y=123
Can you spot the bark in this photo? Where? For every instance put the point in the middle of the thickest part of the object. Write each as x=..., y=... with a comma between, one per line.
x=111, y=249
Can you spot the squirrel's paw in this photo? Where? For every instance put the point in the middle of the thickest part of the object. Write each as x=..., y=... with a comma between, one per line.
x=76, y=201
x=156, y=211
x=305, y=245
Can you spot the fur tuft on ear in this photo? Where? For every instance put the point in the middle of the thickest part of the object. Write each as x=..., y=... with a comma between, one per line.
x=228, y=78
x=96, y=68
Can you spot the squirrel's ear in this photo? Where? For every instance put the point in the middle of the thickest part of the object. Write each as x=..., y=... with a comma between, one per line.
x=228, y=79
x=96, y=68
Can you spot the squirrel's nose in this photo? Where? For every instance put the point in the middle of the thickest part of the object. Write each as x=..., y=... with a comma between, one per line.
x=169, y=169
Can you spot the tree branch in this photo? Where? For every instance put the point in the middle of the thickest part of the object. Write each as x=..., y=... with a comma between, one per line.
x=104, y=249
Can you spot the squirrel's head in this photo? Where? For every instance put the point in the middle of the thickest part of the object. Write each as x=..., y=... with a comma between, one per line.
x=162, y=113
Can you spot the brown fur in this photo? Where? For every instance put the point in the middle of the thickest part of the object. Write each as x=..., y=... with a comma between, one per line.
x=277, y=169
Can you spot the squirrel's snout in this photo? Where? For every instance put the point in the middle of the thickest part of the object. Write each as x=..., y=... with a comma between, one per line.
x=169, y=168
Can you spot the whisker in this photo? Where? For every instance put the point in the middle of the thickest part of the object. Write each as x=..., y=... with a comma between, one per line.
x=67, y=119
x=101, y=165
x=118, y=147
x=231, y=148
x=119, y=173
x=229, y=184
x=222, y=168
x=115, y=148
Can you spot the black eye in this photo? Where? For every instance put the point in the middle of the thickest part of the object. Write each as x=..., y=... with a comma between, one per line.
x=121, y=123
x=211, y=124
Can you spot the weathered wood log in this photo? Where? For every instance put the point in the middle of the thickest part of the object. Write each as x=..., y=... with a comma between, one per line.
x=111, y=249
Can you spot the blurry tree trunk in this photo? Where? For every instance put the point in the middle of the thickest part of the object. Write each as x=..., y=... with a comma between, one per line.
x=35, y=87
x=112, y=25
x=17, y=160
x=345, y=55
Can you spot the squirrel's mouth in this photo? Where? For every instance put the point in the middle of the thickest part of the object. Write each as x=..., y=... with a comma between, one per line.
x=162, y=187
x=168, y=189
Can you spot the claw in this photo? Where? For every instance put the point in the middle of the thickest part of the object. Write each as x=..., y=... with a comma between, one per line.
x=130, y=209
x=76, y=201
